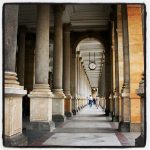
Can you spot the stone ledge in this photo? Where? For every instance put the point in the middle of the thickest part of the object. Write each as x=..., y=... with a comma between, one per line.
x=15, y=91
x=135, y=127
x=68, y=114
x=15, y=140
x=124, y=126
x=115, y=118
x=74, y=112
x=58, y=118
x=42, y=126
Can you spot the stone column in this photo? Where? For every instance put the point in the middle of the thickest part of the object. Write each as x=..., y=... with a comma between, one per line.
x=78, y=80
x=74, y=82
x=21, y=55
x=124, y=125
x=13, y=92
x=140, y=141
x=66, y=71
x=59, y=96
x=41, y=96
x=116, y=93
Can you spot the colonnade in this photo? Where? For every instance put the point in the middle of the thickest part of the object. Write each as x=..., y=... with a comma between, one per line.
x=47, y=104
x=127, y=59
x=71, y=86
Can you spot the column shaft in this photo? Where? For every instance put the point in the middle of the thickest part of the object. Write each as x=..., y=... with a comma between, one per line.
x=58, y=48
x=42, y=45
x=13, y=91
x=66, y=60
x=116, y=97
x=66, y=71
x=125, y=123
x=10, y=36
x=125, y=44
x=58, y=100
x=21, y=55
x=41, y=96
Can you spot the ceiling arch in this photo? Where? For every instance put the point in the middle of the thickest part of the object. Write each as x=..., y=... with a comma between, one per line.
x=91, y=49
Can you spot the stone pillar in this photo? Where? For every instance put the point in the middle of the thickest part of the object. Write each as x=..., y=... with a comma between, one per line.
x=59, y=96
x=66, y=71
x=116, y=94
x=140, y=141
x=78, y=81
x=13, y=92
x=21, y=55
x=74, y=82
x=41, y=96
x=124, y=125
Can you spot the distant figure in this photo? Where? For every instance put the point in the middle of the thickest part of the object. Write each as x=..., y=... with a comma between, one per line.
x=90, y=101
x=97, y=102
x=94, y=101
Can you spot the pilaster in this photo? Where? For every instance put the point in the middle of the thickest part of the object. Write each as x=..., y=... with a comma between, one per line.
x=124, y=125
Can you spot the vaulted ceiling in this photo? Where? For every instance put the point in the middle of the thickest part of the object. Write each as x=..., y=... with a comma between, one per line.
x=83, y=17
x=92, y=50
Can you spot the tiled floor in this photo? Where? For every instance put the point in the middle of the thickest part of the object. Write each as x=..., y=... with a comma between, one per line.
x=88, y=128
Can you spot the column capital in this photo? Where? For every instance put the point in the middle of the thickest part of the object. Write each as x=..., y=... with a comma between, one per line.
x=58, y=9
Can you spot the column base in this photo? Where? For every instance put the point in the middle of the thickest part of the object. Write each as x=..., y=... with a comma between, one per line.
x=41, y=99
x=115, y=118
x=68, y=114
x=107, y=112
x=58, y=106
x=74, y=112
x=15, y=140
x=111, y=114
x=13, y=105
x=58, y=118
x=140, y=141
x=124, y=126
x=41, y=126
x=135, y=127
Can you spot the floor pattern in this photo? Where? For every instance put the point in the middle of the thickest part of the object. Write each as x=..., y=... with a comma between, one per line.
x=89, y=128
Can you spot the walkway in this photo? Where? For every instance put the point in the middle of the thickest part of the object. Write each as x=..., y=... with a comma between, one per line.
x=89, y=128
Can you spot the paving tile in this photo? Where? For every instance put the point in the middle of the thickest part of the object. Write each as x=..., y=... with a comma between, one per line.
x=83, y=139
x=90, y=127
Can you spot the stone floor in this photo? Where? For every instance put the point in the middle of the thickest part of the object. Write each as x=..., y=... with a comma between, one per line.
x=89, y=128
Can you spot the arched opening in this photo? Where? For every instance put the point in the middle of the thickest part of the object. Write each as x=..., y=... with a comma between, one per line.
x=91, y=53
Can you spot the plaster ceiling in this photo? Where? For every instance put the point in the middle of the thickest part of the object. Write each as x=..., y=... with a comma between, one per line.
x=83, y=17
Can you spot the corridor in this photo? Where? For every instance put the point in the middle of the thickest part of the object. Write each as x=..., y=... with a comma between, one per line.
x=90, y=127
x=58, y=56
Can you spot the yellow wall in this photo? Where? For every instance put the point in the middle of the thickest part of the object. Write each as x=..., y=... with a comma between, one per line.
x=120, y=54
x=136, y=58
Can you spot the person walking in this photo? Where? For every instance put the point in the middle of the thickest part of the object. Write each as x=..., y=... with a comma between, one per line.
x=90, y=101
x=97, y=102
